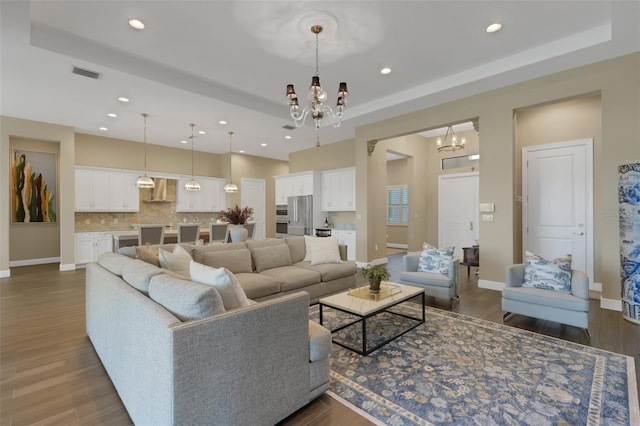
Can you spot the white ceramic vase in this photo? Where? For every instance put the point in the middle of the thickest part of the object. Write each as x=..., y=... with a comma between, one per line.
x=238, y=233
x=629, y=200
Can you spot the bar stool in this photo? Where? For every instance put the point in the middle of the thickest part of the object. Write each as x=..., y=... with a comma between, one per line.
x=188, y=233
x=150, y=234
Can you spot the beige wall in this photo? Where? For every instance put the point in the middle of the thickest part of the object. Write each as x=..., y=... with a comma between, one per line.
x=325, y=157
x=11, y=127
x=618, y=82
x=579, y=118
x=35, y=240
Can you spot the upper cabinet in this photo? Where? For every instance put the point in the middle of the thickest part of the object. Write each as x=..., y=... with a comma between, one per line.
x=338, y=190
x=92, y=190
x=304, y=183
x=210, y=198
x=106, y=191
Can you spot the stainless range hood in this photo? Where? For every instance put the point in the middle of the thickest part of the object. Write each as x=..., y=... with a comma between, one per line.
x=158, y=194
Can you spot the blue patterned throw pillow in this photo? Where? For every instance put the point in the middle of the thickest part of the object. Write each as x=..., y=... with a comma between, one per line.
x=435, y=260
x=548, y=274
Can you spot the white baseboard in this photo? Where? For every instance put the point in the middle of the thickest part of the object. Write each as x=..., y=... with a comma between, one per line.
x=5, y=274
x=595, y=287
x=611, y=304
x=380, y=261
x=29, y=262
x=398, y=246
x=68, y=267
x=491, y=285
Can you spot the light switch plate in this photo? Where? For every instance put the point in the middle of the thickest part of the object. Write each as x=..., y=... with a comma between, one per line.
x=487, y=207
x=487, y=218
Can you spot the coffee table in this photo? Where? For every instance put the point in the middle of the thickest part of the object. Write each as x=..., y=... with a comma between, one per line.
x=364, y=310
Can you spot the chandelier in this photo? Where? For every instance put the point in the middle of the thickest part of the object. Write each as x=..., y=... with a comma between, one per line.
x=230, y=187
x=145, y=181
x=450, y=142
x=193, y=184
x=317, y=96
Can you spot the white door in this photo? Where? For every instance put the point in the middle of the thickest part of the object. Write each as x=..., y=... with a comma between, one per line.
x=253, y=194
x=557, y=202
x=458, y=210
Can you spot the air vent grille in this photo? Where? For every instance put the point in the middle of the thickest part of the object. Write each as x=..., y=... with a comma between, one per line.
x=86, y=73
x=288, y=127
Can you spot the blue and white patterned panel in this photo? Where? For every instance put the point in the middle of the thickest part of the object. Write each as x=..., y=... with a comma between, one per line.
x=629, y=200
x=435, y=260
x=548, y=274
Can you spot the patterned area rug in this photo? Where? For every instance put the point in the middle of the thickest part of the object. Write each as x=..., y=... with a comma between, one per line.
x=455, y=369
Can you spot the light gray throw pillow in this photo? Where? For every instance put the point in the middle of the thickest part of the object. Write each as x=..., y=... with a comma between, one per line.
x=223, y=281
x=185, y=299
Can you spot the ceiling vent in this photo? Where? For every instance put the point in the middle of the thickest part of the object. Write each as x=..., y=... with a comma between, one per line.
x=288, y=127
x=86, y=73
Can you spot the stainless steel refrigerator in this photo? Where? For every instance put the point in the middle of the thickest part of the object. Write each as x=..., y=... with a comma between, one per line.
x=300, y=215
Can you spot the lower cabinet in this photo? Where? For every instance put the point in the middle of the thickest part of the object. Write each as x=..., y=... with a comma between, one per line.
x=90, y=245
x=348, y=238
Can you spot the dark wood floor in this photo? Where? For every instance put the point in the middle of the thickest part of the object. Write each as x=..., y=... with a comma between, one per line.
x=51, y=375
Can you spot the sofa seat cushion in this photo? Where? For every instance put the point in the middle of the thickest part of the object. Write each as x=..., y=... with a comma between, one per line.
x=426, y=278
x=331, y=271
x=292, y=278
x=547, y=298
x=138, y=274
x=185, y=299
x=236, y=261
x=319, y=342
x=256, y=286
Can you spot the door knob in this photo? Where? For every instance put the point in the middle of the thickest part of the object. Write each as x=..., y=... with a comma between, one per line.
x=578, y=233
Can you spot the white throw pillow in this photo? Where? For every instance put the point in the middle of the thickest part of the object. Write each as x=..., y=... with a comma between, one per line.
x=322, y=250
x=177, y=262
x=224, y=281
x=435, y=260
x=308, y=245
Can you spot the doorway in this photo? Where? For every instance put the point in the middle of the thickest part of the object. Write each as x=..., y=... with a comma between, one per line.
x=253, y=194
x=458, y=210
x=557, y=202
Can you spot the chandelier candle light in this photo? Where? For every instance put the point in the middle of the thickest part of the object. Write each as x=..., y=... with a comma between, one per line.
x=317, y=96
x=230, y=187
x=145, y=181
x=193, y=184
x=450, y=141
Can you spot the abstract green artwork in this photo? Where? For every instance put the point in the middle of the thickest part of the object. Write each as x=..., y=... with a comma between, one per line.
x=33, y=186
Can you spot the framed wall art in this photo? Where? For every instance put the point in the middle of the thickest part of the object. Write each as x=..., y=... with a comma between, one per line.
x=34, y=176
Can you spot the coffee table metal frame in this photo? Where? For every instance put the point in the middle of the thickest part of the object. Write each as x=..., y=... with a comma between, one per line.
x=385, y=304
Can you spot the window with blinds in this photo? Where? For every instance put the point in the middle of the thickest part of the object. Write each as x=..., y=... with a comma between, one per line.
x=397, y=205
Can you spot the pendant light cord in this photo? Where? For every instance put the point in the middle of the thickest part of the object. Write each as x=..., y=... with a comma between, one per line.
x=192, y=125
x=145, y=115
x=230, y=133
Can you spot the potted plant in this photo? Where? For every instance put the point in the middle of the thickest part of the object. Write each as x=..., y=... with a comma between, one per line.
x=375, y=274
x=238, y=217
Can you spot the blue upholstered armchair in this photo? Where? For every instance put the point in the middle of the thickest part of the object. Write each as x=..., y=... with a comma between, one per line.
x=565, y=308
x=436, y=285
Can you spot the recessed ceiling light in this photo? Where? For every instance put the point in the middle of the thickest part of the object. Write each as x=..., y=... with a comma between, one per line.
x=123, y=99
x=183, y=141
x=263, y=144
x=202, y=132
x=112, y=115
x=222, y=122
x=287, y=137
x=103, y=128
x=137, y=24
x=385, y=71
x=494, y=27
x=241, y=151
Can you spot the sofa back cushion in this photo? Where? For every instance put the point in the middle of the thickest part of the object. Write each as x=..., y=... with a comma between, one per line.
x=185, y=299
x=114, y=262
x=139, y=273
x=270, y=257
x=296, y=248
x=236, y=261
x=200, y=251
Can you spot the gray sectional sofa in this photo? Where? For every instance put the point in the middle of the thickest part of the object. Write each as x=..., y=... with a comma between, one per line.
x=255, y=364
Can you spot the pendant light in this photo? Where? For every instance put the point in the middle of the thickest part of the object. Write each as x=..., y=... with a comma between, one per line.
x=145, y=181
x=193, y=184
x=230, y=187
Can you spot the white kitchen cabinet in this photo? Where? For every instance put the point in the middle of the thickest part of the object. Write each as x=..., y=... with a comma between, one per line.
x=305, y=183
x=338, y=189
x=347, y=238
x=124, y=195
x=92, y=190
x=90, y=245
x=210, y=198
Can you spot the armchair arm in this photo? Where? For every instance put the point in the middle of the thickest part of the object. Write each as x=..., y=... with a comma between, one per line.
x=515, y=275
x=410, y=262
x=579, y=284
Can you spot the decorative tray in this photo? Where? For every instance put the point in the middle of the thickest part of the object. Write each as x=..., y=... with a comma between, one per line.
x=386, y=290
